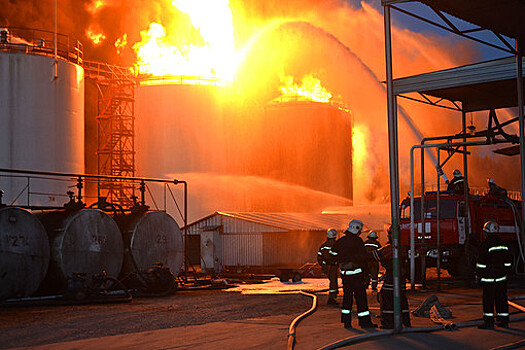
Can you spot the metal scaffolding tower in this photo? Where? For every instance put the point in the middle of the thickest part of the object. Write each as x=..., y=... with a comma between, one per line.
x=115, y=130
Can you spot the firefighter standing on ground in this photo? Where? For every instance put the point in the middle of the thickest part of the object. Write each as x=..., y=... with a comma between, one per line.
x=352, y=257
x=493, y=266
x=329, y=264
x=372, y=244
x=386, y=294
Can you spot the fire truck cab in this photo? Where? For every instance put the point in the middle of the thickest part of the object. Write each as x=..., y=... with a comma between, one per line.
x=460, y=228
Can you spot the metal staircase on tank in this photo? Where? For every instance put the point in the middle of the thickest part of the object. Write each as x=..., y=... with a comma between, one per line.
x=115, y=129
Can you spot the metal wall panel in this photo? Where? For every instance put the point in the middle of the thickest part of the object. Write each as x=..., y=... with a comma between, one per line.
x=242, y=249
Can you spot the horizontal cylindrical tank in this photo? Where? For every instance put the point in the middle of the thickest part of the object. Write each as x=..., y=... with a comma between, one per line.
x=151, y=237
x=24, y=253
x=84, y=241
x=42, y=125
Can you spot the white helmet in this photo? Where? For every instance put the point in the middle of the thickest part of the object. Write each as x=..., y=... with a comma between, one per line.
x=355, y=226
x=456, y=173
x=331, y=233
x=491, y=227
x=372, y=234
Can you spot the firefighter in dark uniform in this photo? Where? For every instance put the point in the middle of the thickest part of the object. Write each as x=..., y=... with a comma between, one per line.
x=372, y=244
x=352, y=257
x=329, y=264
x=386, y=294
x=495, y=190
x=493, y=266
x=457, y=184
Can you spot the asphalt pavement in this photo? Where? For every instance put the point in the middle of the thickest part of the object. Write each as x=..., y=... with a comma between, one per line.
x=323, y=330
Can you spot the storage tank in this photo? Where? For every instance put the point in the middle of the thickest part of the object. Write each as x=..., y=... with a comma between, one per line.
x=83, y=241
x=149, y=238
x=177, y=128
x=42, y=115
x=24, y=253
x=307, y=143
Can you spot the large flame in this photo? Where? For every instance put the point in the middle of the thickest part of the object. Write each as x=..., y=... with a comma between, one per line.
x=310, y=88
x=95, y=6
x=95, y=35
x=214, y=57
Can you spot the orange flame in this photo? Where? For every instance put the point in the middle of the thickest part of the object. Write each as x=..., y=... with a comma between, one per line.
x=95, y=6
x=95, y=36
x=121, y=43
x=214, y=58
x=310, y=88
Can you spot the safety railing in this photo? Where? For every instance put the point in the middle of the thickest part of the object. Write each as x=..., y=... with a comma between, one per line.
x=41, y=42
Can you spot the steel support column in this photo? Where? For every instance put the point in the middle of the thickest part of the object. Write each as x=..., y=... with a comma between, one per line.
x=519, y=81
x=394, y=167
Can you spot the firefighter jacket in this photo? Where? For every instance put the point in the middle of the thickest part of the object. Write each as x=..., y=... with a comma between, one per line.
x=372, y=244
x=494, y=260
x=351, y=254
x=385, y=256
x=457, y=184
x=323, y=255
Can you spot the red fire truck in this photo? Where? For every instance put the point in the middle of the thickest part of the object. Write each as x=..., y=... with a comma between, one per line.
x=461, y=230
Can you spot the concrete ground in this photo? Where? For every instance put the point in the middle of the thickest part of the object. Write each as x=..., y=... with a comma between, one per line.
x=323, y=328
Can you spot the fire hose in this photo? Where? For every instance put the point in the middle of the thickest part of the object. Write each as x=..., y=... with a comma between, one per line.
x=437, y=318
x=291, y=329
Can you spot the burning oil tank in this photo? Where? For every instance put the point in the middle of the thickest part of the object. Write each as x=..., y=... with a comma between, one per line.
x=150, y=238
x=85, y=242
x=307, y=143
x=41, y=113
x=177, y=127
x=24, y=253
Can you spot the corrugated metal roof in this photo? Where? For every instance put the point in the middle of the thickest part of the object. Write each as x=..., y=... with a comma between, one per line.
x=294, y=221
x=479, y=86
x=286, y=221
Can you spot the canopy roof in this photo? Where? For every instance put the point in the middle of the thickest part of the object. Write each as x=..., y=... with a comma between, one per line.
x=501, y=16
x=479, y=86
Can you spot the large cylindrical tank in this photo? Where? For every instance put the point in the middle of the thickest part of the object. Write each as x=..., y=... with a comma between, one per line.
x=149, y=238
x=24, y=253
x=306, y=143
x=42, y=124
x=178, y=129
x=83, y=241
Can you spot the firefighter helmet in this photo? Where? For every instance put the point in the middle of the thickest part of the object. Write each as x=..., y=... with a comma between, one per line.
x=491, y=181
x=456, y=173
x=491, y=227
x=331, y=233
x=355, y=226
x=372, y=234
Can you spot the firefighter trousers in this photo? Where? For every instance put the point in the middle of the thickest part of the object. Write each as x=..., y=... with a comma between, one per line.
x=386, y=303
x=373, y=270
x=354, y=286
x=332, y=272
x=495, y=294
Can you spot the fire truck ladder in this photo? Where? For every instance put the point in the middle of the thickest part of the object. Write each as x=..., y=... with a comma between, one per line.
x=115, y=129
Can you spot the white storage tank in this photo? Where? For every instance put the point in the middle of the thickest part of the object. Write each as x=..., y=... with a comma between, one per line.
x=41, y=117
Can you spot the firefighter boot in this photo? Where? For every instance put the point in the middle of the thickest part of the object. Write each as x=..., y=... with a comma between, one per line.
x=366, y=322
x=348, y=324
x=488, y=323
x=332, y=301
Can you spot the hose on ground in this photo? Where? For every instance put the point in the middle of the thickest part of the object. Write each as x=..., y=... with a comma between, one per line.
x=380, y=334
x=291, y=329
